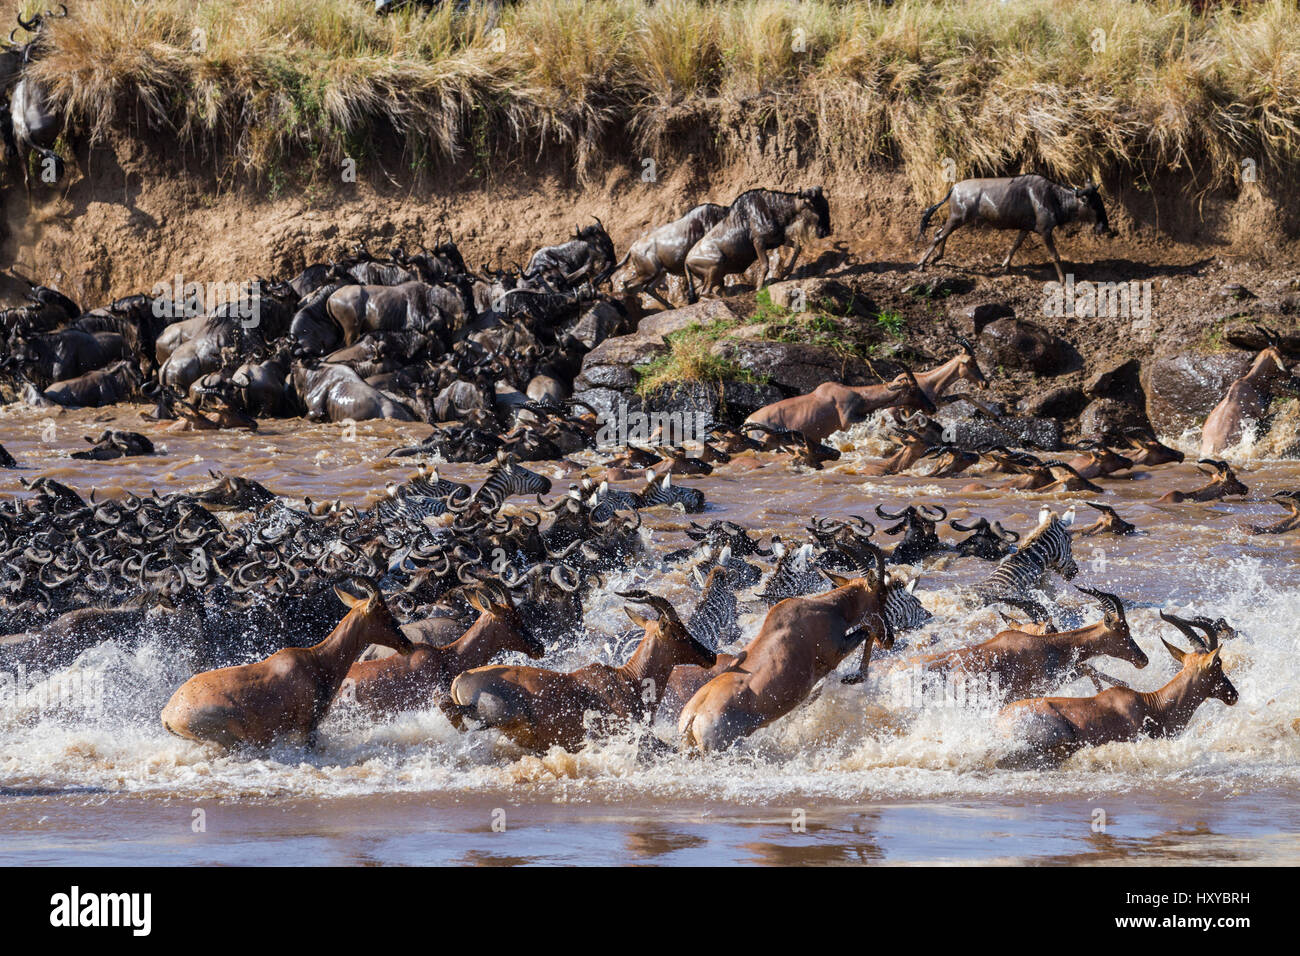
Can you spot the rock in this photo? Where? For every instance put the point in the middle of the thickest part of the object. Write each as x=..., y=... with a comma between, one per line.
x=602, y=321
x=983, y=434
x=820, y=295
x=1252, y=340
x=606, y=376
x=1122, y=382
x=1062, y=402
x=938, y=288
x=693, y=405
x=1182, y=388
x=1107, y=416
x=636, y=349
x=967, y=425
x=794, y=366
x=739, y=400
x=1017, y=344
x=981, y=315
x=701, y=313
x=606, y=401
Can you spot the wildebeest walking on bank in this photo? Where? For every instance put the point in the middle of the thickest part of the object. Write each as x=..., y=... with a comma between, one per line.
x=1029, y=203
x=663, y=251
x=759, y=221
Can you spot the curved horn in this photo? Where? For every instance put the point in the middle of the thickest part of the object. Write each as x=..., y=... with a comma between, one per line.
x=1188, y=632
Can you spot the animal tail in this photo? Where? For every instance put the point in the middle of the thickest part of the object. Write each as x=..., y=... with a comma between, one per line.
x=925, y=216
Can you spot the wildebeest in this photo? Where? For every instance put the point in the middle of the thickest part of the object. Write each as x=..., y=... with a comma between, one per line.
x=589, y=256
x=55, y=356
x=759, y=221
x=36, y=128
x=334, y=393
x=410, y=306
x=663, y=251
x=1028, y=203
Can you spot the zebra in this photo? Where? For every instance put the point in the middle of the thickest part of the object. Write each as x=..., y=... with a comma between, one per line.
x=508, y=478
x=666, y=493
x=1046, y=549
x=715, y=620
x=903, y=609
x=794, y=574
x=401, y=504
x=605, y=500
x=741, y=573
x=427, y=482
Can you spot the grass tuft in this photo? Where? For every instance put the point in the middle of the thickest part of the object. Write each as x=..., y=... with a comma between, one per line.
x=1076, y=90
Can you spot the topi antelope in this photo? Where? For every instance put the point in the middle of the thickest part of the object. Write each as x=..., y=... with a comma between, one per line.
x=284, y=698
x=539, y=708
x=801, y=641
x=1054, y=728
x=1222, y=483
x=1020, y=662
x=414, y=680
x=1247, y=399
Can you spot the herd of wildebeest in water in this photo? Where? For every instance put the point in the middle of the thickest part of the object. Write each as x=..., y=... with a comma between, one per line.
x=440, y=577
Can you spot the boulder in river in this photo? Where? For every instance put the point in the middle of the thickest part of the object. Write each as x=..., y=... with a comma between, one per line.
x=1183, y=387
x=1017, y=344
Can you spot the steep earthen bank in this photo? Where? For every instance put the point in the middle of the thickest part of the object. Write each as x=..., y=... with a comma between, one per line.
x=132, y=214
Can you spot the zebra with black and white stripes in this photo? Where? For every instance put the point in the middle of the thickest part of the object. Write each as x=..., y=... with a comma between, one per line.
x=715, y=619
x=1046, y=549
x=506, y=479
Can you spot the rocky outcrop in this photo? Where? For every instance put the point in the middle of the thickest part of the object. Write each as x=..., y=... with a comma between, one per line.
x=1016, y=344
x=1183, y=387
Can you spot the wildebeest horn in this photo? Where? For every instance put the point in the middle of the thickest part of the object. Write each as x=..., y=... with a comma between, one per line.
x=979, y=524
x=882, y=513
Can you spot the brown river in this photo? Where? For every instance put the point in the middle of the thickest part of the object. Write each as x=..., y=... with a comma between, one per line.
x=858, y=774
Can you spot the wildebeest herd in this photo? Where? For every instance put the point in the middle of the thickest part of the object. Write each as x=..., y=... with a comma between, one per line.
x=447, y=575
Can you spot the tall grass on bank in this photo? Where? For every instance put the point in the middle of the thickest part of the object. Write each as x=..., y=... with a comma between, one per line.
x=1076, y=89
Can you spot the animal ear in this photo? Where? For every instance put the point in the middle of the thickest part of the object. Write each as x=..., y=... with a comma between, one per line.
x=838, y=580
x=1067, y=519
x=1045, y=514
x=475, y=600
x=911, y=586
x=349, y=600
x=637, y=619
x=1174, y=652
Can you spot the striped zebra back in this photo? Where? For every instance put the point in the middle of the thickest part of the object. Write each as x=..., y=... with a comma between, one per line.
x=1046, y=549
x=715, y=620
x=666, y=493
x=506, y=479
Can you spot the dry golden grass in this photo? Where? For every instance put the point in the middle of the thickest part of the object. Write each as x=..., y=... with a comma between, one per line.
x=1072, y=88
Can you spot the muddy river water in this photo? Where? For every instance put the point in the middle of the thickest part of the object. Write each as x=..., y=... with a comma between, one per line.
x=861, y=773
